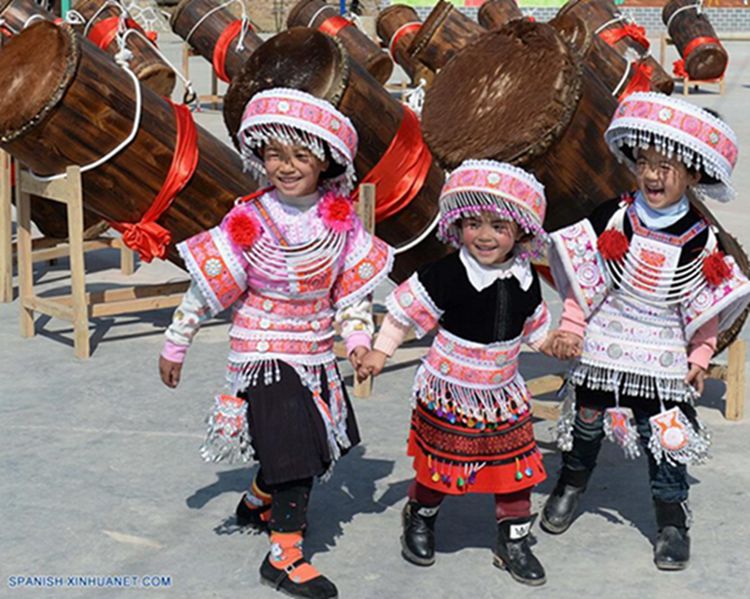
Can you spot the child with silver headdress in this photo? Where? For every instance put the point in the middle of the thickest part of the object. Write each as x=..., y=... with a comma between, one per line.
x=290, y=260
x=647, y=288
x=471, y=429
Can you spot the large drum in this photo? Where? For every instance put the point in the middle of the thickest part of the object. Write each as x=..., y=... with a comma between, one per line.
x=389, y=135
x=67, y=103
x=493, y=14
x=620, y=75
x=50, y=217
x=217, y=33
x=324, y=17
x=546, y=112
x=703, y=56
x=445, y=31
x=619, y=32
x=397, y=26
x=102, y=23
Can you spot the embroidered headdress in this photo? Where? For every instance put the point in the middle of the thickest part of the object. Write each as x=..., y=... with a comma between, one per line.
x=296, y=117
x=694, y=136
x=491, y=186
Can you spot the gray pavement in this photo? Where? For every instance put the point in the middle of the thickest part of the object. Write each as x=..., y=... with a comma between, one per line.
x=101, y=474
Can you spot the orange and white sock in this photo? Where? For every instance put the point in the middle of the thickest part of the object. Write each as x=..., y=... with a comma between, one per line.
x=255, y=499
x=286, y=549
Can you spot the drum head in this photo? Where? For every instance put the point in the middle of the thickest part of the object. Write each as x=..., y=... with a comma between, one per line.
x=28, y=97
x=507, y=96
x=299, y=58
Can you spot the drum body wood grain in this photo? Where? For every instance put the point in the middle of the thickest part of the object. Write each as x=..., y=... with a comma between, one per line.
x=695, y=38
x=146, y=63
x=204, y=24
x=318, y=15
x=70, y=104
x=606, y=21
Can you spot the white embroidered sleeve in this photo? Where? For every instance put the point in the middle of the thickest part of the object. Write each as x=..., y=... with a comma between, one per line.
x=356, y=323
x=188, y=317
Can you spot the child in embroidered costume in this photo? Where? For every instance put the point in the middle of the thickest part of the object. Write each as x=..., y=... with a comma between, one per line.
x=646, y=290
x=471, y=429
x=291, y=260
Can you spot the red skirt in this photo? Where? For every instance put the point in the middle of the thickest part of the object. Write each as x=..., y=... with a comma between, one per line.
x=456, y=459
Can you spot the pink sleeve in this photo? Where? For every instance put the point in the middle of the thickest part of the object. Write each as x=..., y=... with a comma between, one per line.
x=572, y=319
x=390, y=336
x=357, y=339
x=702, y=346
x=174, y=352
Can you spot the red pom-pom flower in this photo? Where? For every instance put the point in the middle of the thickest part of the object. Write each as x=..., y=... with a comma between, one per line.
x=243, y=229
x=613, y=245
x=337, y=212
x=715, y=268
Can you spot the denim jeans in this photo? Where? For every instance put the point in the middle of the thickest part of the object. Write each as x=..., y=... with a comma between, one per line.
x=668, y=483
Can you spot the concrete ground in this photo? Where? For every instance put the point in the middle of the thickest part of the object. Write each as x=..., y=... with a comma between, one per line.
x=101, y=474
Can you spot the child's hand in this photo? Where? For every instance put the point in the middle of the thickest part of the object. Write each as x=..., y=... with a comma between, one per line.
x=372, y=364
x=356, y=355
x=696, y=377
x=562, y=345
x=169, y=372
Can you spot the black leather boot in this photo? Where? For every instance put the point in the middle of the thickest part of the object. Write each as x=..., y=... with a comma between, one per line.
x=672, y=547
x=513, y=553
x=562, y=504
x=418, y=539
x=256, y=518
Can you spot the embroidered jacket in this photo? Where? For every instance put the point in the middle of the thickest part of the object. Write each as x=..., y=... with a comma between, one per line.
x=645, y=298
x=288, y=276
x=470, y=373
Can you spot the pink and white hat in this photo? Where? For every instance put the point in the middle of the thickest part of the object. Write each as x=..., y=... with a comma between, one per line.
x=295, y=117
x=697, y=138
x=491, y=186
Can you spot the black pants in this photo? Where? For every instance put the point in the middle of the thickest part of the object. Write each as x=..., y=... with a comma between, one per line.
x=668, y=482
x=289, y=502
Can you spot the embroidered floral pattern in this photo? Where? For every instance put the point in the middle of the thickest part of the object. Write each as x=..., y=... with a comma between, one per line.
x=411, y=305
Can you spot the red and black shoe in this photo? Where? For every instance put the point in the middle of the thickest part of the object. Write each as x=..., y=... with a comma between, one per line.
x=286, y=570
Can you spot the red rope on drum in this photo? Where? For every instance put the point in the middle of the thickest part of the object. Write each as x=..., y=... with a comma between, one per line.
x=640, y=80
x=227, y=36
x=103, y=33
x=678, y=67
x=631, y=30
x=147, y=237
x=332, y=25
x=400, y=173
x=402, y=31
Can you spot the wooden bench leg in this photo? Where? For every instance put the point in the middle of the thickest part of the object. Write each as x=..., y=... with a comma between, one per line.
x=25, y=262
x=735, y=382
x=81, y=343
x=6, y=228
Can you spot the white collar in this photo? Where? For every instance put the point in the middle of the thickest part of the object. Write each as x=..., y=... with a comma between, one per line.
x=298, y=203
x=481, y=276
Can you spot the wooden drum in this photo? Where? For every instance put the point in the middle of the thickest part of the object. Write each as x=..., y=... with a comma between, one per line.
x=624, y=36
x=397, y=26
x=67, y=103
x=308, y=60
x=216, y=33
x=445, y=31
x=324, y=17
x=703, y=56
x=547, y=113
x=102, y=21
x=620, y=75
x=493, y=14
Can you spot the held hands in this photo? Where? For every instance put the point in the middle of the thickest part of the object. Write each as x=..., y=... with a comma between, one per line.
x=355, y=359
x=371, y=365
x=562, y=345
x=169, y=372
x=696, y=377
